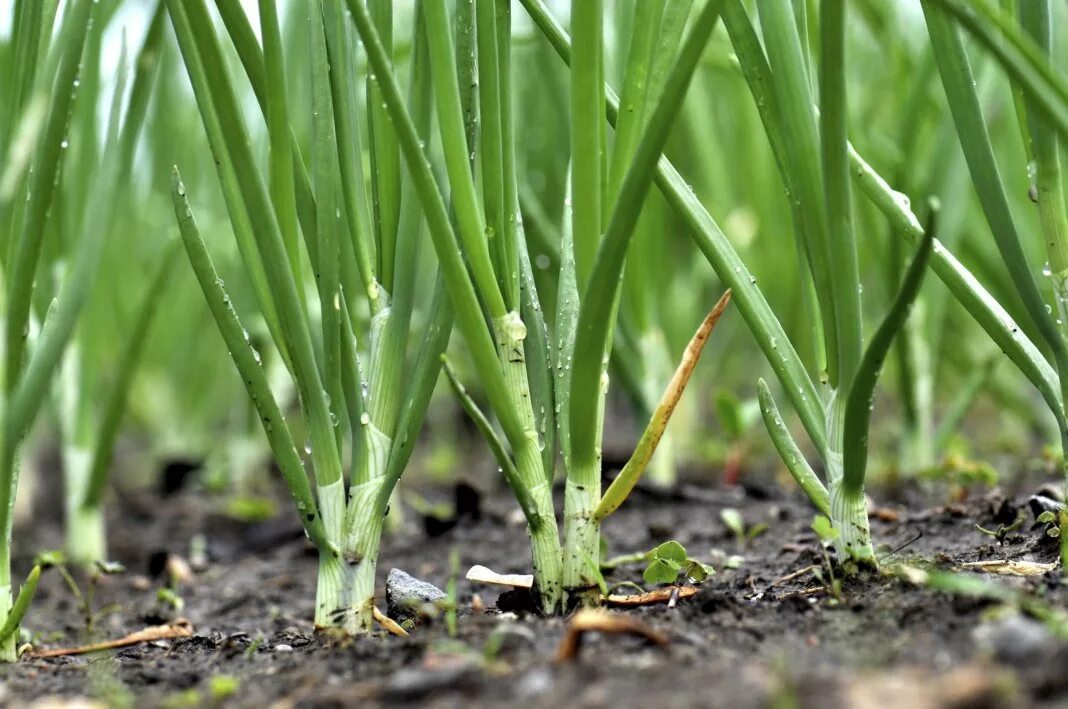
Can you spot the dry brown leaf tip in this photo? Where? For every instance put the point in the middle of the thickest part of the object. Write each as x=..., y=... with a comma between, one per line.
x=388, y=623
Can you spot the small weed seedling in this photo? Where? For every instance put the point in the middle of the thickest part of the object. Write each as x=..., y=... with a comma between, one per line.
x=1004, y=530
x=669, y=564
x=736, y=418
x=733, y=520
x=1049, y=521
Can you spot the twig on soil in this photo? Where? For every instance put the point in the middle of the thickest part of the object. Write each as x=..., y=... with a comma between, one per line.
x=660, y=595
x=791, y=576
x=918, y=537
x=180, y=628
x=481, y=574
x=588, y=621
x=1008, y=567
x=674, y=597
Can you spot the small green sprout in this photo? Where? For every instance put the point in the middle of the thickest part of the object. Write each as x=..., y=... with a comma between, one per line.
x=169, y=597
x=959, y=470
x=182, y=700
x=736, y=416
x=668, y=562
x=1004, y=530
x=593, y=568
x=254, y=646
x=734, y=521
x=57, y=559
x=1049, y=519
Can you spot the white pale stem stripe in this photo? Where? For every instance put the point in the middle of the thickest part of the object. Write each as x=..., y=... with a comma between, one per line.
x=364, y=529
x=85, y=527
x=383, y=403
x=849, y=514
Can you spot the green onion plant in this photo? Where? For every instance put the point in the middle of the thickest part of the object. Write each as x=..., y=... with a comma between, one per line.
x=87, y=444
x=1023, y=46
x=812, y=407
x=39, y=325
x=346, y=340
x=541, y=386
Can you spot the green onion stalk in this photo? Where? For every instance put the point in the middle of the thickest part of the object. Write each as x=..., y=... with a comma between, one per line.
x=87, y=450
x=87, y=457
x=1036, y=21
x=916, y=344
x=539, y=389
x=360, y=247
x=28, y=370
x=641, y=340
x=814, y=161
x=1025, y=56
x=1024, y=50
x=1045, y=169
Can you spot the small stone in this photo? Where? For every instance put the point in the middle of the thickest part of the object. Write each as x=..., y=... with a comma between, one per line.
x=405, y=595
x=1015, y=640
x=178, y=569
x=283, y=648
x=412, y=683
x=511, y=637
x=535, y=683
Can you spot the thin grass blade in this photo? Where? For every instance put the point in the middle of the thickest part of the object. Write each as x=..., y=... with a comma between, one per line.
x=115, y=404
x=789, y=453
x=959, y=84
x=496, y=445
x=41, y=189
x=966, y=288
x=244, y=234
x=22, y=604
x=249, y=52
x=248, y=366
x=197, y=38
x=862, y=388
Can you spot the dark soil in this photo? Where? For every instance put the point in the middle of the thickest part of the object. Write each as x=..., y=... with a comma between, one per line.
x=747, y=639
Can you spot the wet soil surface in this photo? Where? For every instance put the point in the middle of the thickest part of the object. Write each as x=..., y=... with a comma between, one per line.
x=767, y=633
